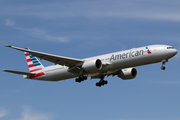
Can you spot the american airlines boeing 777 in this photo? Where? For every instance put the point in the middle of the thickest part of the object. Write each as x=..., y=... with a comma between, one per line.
x=120, y=63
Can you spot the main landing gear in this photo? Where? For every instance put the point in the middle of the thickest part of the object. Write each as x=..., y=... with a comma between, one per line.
x=101, y=82
x=81, y=78
x=163, y=63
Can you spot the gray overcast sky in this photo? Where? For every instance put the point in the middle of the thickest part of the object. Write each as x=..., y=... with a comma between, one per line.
x=82, y=29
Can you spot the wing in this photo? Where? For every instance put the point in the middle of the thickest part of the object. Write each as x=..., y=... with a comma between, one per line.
x=69, y=62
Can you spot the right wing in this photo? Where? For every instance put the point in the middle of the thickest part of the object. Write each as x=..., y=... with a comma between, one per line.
x=69, y=62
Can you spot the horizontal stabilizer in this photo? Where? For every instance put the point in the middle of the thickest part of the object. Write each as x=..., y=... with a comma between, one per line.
x=19, y=72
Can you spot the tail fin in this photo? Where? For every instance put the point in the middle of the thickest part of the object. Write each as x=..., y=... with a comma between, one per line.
x=33, y=63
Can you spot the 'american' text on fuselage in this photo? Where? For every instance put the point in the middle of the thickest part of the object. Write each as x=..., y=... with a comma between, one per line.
x=127, y=55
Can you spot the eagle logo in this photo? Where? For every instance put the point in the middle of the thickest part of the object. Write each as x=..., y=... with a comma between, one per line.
x=148, y=51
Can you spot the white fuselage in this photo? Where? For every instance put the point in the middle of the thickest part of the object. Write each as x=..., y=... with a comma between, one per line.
x=115, y=61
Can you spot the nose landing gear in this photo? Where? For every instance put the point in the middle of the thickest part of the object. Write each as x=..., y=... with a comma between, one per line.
x=163, y=63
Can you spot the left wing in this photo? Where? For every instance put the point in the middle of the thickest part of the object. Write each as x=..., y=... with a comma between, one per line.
x=69, y=62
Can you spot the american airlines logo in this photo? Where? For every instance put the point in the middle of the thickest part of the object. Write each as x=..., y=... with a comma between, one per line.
x=148, y=51
x=127, y=55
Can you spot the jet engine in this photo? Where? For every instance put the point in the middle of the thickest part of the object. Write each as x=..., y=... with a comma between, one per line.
x=92, y=65
x=128, y=73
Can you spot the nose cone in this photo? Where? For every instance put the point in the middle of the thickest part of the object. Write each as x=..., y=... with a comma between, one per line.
x=173, y=52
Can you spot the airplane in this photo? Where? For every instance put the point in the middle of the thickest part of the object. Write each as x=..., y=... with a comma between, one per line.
x=120, y=63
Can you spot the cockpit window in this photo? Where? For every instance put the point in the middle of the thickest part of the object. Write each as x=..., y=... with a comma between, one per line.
x=170, y=48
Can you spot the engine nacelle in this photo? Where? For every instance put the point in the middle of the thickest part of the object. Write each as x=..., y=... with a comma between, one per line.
x=128, y=73
x=92, y=65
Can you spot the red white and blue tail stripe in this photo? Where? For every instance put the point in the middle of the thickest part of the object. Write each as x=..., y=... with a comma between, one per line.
x=33, y=63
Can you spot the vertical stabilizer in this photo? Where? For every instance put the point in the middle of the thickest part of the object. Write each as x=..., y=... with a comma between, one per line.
x=33, y=63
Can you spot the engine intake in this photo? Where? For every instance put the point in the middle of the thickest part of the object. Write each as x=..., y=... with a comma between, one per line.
x=128, y=73
x=92, y=65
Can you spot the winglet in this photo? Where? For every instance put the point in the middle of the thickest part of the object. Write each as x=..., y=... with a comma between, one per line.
x=7, y=45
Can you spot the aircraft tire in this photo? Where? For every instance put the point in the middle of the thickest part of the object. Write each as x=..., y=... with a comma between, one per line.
x=102, y=83
x=98, y=84
x=163, y=68
x=105, y=82
x=85, y=78
x=78, y=80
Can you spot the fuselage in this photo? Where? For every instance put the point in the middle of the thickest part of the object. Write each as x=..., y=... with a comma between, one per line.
x=116, y=61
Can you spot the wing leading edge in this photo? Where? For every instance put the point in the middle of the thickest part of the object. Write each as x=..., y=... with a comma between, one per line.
x=69, y=62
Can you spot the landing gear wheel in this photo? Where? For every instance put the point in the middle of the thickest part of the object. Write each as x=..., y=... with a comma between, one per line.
x=102, y=82
x=81, y=78
x=163, y=68
x=98, y=84
x=105, y=82
x=78, y=80
x=85, y=78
